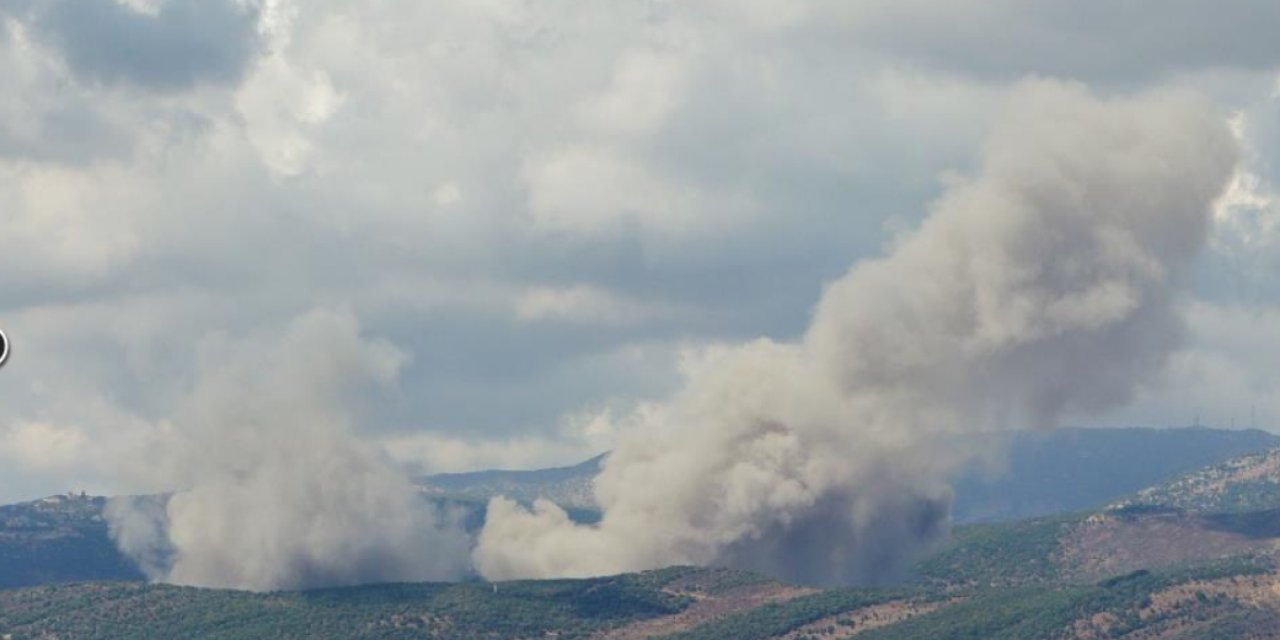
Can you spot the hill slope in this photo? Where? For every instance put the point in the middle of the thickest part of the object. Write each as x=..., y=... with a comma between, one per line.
x=523, y=609
x=59, y=539
x=1076, y=469
x=569, y=487
x=63, y=538
x=1136, y=572
x=1232, y=598
x=1246, y=483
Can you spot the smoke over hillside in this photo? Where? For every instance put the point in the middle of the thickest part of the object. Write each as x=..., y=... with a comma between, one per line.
x=1041, y=288
x=274, y=491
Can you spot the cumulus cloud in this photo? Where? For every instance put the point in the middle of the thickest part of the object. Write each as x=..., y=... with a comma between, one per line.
x=1225, y=377
x=1043, y=287
x=589, y=305
x=1094, y=39
x=174, y=45
x=41, y=446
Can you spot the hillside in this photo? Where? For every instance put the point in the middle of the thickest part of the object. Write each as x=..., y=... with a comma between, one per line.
x=1243, y=484
x=1193, y=557
x=1233, y=597
x=1226, y=600
x=563, y=608
x=1067, y=470
x=569, y=487
x=63, y=538
x=59, y=539
x=1138, y=574
x=1135, y=572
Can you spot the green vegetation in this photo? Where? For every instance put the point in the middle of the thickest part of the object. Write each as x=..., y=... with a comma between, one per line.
x=778, y=618
x=999, y=555
x=1034, y=610
x=1051, y=611
x=59, y=539
x=566, y=608
x=1022, y=579
x=1261, y=524
x=703, y=580
x=1244, y=623
x=1029, y=606
x=1249, y=483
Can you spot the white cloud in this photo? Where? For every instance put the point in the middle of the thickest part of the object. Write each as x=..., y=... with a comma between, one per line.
x=595, y=191
x=1226, y=376
x=589, y=305
x=647, y=87
x=280, y=105
x=42, y=446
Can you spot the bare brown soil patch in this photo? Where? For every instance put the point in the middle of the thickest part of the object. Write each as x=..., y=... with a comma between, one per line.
x=852, y=623
x=1109, y=545
x=1182, y=608
x=708, y=607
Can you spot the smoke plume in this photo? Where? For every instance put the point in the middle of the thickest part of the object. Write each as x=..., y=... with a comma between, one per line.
x=1041, y=288
x=276, y=491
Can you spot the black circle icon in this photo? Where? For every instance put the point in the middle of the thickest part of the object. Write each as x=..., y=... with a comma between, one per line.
x=4, y=348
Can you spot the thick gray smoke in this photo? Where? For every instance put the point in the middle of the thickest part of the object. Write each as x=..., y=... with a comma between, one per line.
x=276, y=492
x=1040, y=289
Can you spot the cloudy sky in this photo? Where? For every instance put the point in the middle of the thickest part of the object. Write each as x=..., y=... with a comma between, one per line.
x=538, y=210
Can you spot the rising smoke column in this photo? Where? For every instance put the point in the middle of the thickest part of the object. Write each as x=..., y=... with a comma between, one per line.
x=275, y=491
x=1041, y=288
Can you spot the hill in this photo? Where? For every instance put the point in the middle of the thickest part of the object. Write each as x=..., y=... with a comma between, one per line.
x=64, y=538
x=1134, y=572
x=1243, y=484
x=1190, y=558
x=117, y=611
x=569, y=487
x=59, y=539
x=1237, y=596
x=1068, y=470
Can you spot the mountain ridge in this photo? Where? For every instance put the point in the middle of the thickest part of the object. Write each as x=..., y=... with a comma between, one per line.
x=1066, y=469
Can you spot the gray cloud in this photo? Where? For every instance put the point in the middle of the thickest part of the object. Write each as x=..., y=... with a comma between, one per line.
x=186, y=42
x=1127, y=42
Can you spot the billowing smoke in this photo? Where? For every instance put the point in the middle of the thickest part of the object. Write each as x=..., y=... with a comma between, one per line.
x=1040, y=289
x=275, y=491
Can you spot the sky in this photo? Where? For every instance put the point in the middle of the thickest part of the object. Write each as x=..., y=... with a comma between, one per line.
x=535, y=213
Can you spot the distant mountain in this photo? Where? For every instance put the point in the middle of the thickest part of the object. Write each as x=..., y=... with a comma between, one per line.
x=1067, y=470
x=1047, y=472
x=60, y=538
x=569, y=487
x=1134, y=571
x=64, y=538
